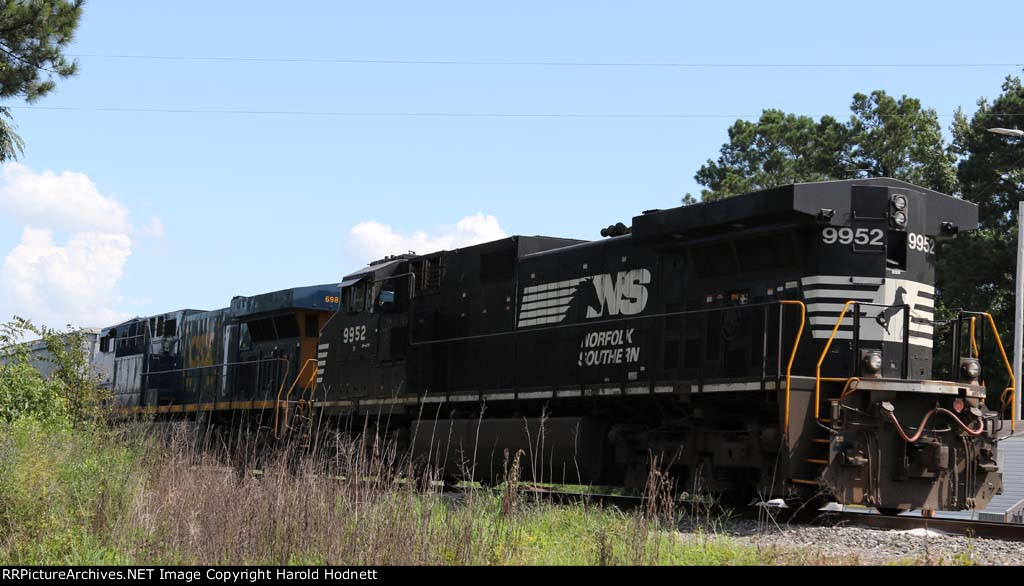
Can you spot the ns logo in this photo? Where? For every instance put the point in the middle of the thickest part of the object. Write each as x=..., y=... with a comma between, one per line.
x=624, y=293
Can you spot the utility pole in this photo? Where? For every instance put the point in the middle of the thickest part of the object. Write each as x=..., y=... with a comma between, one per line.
x=1018, y=314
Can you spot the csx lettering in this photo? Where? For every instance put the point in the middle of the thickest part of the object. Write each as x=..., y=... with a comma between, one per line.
x=624, y=293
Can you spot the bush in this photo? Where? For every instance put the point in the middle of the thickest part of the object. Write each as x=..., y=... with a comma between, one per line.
x=70, y=394
x=24, y=393
x=62, y=493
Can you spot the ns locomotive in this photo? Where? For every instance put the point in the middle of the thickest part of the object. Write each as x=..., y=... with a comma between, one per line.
x=773, y=344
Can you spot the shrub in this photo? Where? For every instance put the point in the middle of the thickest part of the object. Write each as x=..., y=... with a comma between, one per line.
x=62, y=493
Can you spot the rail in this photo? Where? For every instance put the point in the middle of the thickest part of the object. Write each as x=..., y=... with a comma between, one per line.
x=855, y=347
x=1012, y=389
x=223, y=367
x=1015, y=514
x=974, y=340
x=851, y=387
x=792, y=354
x=706, y=311
x=277, y=404
x=824, y=353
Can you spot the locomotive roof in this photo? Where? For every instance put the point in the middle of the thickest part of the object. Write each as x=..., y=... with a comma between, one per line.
x=524, y=245
x=312, y=297
x=788, y=203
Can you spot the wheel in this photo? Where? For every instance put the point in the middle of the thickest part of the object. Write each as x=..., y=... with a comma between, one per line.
x=891, y=511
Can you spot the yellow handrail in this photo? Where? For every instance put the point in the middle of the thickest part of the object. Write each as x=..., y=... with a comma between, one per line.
x=277, y=404
x=792, y=354
x=1009, y=369
x=847, y=390
x=817, y=372
x=1002, y=399
x=974, y=341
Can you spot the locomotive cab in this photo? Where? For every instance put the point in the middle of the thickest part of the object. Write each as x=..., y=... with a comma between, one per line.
x=365, y=341
x=273, y=339
x=862, y=358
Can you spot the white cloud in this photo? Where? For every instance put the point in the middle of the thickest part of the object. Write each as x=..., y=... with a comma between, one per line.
x=75, y=283
x=373, y=240
x=68, y=201
x=74, y=245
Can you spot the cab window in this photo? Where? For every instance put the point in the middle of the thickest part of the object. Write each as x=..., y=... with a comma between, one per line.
x=386, y=300
x=244, y=337
x=357, y=297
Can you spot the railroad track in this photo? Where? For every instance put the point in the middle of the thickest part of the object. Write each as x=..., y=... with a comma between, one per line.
x=967, y=528
x=867, y=520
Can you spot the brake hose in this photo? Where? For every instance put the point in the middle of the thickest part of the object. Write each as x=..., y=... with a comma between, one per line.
x=921, y=429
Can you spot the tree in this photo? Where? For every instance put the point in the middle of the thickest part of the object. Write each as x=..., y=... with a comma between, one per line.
x=976, y=270
x=900, y=139
x=70, y=393
x=884, y=137
x=33, y=37
x=778, y=149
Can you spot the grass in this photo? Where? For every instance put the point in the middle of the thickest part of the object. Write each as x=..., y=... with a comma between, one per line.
x=127, y=496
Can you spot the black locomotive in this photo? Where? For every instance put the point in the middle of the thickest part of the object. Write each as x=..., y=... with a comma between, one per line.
x=774, y=344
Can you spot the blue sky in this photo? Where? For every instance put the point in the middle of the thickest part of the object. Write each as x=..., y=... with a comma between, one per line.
x=222, y=204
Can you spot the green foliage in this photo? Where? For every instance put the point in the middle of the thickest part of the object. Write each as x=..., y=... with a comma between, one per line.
x=885, y=136
x=976, y=270
x=778, y=149
x=70, y=394
x=24, y=393
x=33, y=37
x=899, y=138
x=61, y=493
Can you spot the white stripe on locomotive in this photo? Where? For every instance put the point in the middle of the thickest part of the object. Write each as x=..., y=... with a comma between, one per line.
x=876, y=324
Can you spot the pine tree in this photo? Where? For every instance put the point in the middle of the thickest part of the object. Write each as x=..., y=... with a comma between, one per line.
x=33, y=37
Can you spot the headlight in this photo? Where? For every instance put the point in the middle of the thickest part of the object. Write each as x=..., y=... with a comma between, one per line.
x=872, y=362
x=899, y=202
x=970, y=369
x=900, y=219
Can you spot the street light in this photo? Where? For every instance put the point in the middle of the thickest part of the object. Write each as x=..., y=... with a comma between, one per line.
x=1007, y=132
x=1018, y=326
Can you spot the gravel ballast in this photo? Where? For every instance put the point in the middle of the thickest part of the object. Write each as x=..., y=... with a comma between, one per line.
x=856, y=545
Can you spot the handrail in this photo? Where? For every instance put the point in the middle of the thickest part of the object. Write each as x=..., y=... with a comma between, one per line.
x=824, y=353
x=1002, y=400
x=847, y=390
x=585, y=324
x=1002, y=351
x=277, y=404
x=301, y=401
x=1009, y=369
x=974, y=340
x=1014, y=513
x=792, y=354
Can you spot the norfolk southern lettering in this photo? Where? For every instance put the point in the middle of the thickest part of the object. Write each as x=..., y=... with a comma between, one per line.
x=623, y=293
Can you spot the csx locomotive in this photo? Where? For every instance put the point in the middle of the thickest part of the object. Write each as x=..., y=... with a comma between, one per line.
x=773, y=344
